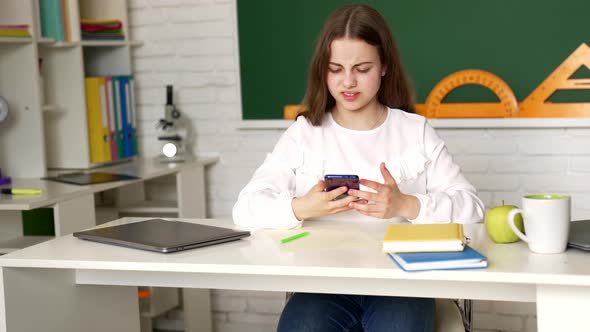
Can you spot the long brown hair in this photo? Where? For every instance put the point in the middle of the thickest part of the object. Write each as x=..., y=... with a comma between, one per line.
x=364, y=23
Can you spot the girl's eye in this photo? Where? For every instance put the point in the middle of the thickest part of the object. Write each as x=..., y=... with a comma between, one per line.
x=335, y=70
x=364, y=70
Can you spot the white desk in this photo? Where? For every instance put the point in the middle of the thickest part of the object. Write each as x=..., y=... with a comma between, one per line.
x=70, y=276
x=73, y=205
x=74, y=209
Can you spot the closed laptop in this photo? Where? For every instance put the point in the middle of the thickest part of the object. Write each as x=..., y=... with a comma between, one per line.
x=580, y=235
x=162, y=235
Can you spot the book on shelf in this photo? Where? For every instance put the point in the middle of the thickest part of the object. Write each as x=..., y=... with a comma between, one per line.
x=125, y=116
x=20, y=27
x=452, y=260
x=87, y=36
x=98, y=127
x=110, y=106
x=65, y=19
x=118, y=119
x=14, y=33
x=52, y=19
x=423, y=238
x=112, y=116
x=101, y=29
x=60, y=19
x=14, y=30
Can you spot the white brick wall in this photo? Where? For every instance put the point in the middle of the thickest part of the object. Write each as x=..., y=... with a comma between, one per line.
x=193, y=45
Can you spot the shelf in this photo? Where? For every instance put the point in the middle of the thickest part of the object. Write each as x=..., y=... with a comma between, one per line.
x=45, y=40
x=96, y=43
x=21, y=242
x=15, y=40
x=151, y=207
x=107, y=43
x=135, y=43
x=49, y=108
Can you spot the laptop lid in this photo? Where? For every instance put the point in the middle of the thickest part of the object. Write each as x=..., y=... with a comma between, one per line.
x=161, y=235
x=579, y=236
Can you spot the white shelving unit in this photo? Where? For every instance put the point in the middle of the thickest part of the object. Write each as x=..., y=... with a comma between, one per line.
x=47, y=126
x=22, y=150
x=47, y=123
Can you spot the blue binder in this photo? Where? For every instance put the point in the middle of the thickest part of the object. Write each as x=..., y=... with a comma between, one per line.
x=125, y=119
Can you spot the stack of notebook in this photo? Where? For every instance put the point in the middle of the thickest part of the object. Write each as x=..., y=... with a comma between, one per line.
x=101, y=29
x=15, y=30
x=430, y=247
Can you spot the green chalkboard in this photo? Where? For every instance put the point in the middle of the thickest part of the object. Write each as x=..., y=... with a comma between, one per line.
x=522, y=41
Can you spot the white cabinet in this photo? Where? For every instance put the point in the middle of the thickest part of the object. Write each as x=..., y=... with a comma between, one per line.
x=43, y=82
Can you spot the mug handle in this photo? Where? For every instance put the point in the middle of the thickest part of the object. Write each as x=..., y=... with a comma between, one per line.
x=510, y=219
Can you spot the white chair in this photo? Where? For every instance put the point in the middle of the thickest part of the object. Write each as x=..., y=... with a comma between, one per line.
x=450, y=317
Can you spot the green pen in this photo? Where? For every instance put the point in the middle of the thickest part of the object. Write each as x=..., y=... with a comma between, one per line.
x=294, y=237
x=21, y=191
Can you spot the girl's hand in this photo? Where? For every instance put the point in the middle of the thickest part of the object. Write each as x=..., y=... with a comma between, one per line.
x=316, y=202
x=388, y=201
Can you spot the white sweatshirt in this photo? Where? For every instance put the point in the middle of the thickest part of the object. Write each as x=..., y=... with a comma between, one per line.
x=412, y=151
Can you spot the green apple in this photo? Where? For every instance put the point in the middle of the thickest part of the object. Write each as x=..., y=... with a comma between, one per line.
x=497, y=224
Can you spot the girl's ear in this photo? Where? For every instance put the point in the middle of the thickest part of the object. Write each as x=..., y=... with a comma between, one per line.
x=383, y=70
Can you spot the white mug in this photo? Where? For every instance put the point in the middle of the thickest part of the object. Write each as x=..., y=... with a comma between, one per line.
x=546, y=222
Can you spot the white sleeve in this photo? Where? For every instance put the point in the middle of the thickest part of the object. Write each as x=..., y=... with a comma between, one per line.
x=449, y=196
x=265, y=202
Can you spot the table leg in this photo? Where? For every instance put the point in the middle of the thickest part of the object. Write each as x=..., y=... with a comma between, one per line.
x=562, y=308
x=190, y=185
x=49, y=300
x=74, y=215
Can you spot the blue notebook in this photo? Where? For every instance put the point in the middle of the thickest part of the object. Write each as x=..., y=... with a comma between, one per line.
x=455, y=260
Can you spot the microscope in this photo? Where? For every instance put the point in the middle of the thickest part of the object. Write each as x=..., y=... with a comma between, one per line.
x=172, y=145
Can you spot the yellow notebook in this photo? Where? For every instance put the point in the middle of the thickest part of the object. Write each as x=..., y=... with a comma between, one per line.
x=423, y=238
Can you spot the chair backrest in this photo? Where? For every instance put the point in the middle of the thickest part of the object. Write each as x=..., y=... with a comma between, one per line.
x=448, y=316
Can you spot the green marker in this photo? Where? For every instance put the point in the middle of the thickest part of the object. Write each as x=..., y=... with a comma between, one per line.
x=21, y=191
x=294, y=237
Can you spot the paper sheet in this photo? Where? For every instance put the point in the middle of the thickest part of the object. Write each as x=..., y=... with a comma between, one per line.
x=325, y=237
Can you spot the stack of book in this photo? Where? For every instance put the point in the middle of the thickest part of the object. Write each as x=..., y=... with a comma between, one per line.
x=15, y=30
x=101, y=29
x=430, y=247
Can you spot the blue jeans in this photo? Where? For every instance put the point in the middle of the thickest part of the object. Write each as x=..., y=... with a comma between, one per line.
x=306, y=312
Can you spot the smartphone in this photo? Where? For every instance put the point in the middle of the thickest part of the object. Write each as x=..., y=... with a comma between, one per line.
x=334, y=181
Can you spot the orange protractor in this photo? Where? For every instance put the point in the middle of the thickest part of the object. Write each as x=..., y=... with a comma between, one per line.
x=435, y=108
